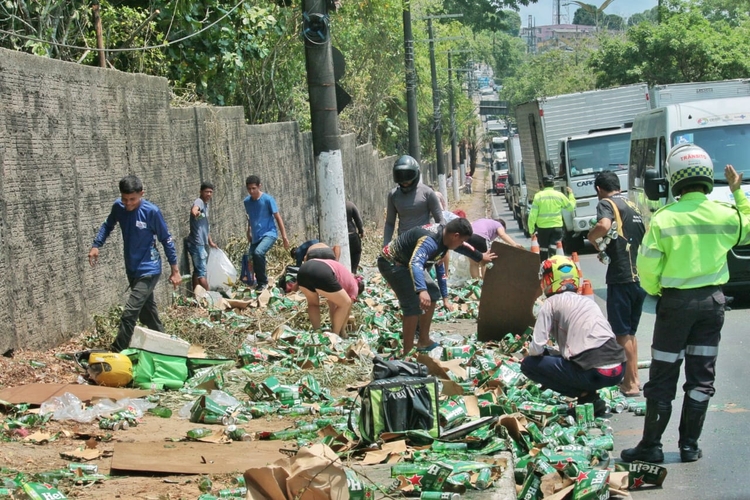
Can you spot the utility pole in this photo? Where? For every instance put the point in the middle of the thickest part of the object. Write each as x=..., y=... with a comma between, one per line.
x=411, y=86
x=99, y=37
x=454, y=166
x=454, y=146
x=329, y=169
x=436, y=114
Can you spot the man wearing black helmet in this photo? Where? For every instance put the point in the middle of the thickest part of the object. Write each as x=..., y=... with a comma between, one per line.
x=411, y=201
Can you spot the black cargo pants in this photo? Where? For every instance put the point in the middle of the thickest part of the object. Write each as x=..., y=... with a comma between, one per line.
x=140, y=306
x=688, y=326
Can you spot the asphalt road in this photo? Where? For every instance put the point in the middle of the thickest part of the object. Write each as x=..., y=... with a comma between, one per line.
x=722, y=472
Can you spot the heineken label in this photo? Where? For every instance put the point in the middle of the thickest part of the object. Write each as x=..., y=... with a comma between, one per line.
x=255, y=391
x=452, y=412
x=410, y=474
x=641, y=473
x=42, y=491
x=357, y=489
x=531, y=488
x=436, y=476
x=591, y=485
x=462, y=352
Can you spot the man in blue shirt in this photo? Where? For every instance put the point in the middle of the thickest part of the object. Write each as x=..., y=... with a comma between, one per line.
x=262, y=218
x=142, y=225
x=200, y=237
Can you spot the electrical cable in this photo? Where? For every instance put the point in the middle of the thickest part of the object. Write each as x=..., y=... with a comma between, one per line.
x=129, y=49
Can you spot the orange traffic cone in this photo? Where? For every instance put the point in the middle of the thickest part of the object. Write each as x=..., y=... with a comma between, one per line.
x=534, y=244
x=574, y=258
x=559, y=250
x=587, y=289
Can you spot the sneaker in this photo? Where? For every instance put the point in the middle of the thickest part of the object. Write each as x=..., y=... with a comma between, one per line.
x=260, y=288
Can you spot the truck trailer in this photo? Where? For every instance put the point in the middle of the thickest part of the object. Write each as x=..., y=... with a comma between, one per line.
x=591, y=130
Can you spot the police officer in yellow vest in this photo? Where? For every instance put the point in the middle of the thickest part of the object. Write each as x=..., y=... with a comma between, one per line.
x=683, y=259
x=546, y=219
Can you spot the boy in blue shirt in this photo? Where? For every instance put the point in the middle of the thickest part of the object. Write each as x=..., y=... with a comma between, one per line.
x=142, y=225
x=262, y=218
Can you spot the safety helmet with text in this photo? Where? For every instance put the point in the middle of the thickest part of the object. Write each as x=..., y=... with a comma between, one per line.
x=559, y=274
x=689, y=164
x=111, y=369
x=406, y=170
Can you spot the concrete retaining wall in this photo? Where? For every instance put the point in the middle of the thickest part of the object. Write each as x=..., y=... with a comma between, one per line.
x=68, y=133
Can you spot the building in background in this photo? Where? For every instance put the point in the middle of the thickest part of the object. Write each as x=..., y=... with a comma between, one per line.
x=541, y=38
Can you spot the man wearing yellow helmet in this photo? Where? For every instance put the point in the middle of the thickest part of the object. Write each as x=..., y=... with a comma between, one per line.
x=587, y=356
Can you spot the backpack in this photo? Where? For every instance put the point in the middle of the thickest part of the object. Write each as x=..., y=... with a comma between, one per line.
x=399, y=404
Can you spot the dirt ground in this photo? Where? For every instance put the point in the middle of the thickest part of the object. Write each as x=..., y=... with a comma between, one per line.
x=31, y=458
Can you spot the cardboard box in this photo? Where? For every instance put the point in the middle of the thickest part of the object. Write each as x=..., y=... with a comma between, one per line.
x=159, y=343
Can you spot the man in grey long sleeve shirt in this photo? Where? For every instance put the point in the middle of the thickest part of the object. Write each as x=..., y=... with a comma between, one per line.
x=412, y=201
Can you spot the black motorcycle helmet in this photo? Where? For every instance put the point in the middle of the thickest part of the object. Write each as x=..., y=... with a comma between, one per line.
x=405, y=170
x=548, y=181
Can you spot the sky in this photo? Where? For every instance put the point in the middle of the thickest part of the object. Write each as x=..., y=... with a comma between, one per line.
x=542, y=9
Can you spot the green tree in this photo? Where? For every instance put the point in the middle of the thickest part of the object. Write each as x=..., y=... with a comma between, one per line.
x=591, y=15
x=651, y=15
x=485, y=14
x=685, y=47
x=586, y=15
x=550, y=73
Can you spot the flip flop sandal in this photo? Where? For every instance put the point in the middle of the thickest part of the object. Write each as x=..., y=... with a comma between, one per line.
x=631, y=394
x=428, y=348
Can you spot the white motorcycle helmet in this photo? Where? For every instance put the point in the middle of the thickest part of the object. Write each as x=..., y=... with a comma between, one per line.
x=689, y=164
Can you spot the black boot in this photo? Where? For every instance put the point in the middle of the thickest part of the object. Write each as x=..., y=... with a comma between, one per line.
x=691, y=425
x=649, y=449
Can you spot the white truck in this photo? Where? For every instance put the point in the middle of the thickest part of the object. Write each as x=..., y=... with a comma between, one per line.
x=573, y=137
x=722, y=128
x=516, y=185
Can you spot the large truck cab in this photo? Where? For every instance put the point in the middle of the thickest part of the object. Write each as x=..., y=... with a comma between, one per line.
x=582, y=157
x=719, y=126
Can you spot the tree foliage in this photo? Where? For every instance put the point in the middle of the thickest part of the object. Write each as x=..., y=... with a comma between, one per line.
x=250, y=54
x=685, y=47
x=591, y=15
x=550, y=73
x=651, y=15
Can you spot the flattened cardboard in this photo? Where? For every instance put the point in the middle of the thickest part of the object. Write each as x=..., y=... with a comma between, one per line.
x=194, y=458
x=37, y=394
x=315, y=473
x=508, y=293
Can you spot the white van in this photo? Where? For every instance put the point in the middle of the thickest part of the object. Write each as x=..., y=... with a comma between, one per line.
x=719, y=126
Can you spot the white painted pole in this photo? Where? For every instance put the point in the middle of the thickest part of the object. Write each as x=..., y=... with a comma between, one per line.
x=443, y=186
x=332, y=203
x=456, y=185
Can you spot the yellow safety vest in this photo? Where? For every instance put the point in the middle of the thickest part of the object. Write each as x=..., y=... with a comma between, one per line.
x=687, y=242
x=547, y=207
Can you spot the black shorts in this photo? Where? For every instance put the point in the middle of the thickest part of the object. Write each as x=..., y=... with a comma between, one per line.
x=624, y=307
x=478, y=242
x=321, y=253
x=400, y=280
x=318, y=276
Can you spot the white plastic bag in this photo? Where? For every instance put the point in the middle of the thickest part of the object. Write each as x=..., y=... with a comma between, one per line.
x=220, y=271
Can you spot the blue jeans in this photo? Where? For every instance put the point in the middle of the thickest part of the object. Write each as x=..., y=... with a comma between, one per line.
x=199, y=256
x=258, y=250
x=566, y=377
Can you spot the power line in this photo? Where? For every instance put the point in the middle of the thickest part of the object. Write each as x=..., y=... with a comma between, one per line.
x=130, y=49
